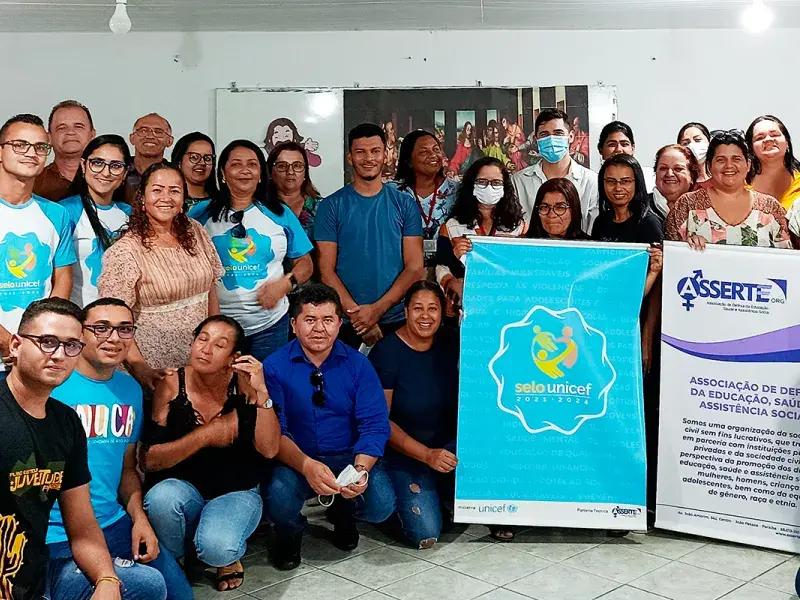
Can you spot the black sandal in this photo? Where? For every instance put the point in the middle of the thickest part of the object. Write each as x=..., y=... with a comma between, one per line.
x=502, y=533
x=219, y=579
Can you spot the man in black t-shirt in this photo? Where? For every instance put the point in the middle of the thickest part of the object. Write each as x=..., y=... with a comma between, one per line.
x=43, y=458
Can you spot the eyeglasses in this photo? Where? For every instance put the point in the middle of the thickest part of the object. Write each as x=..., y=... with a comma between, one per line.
x=103, y=331
x=317, y=380
x=22, y=147
x=557, y=209
x=115, y=167
x=284, y=167
x=154, y=131
x=722, y=133
x=484, y=183
x=196, y=157
x=49, y=344
x=239, y=231
x=624, y=182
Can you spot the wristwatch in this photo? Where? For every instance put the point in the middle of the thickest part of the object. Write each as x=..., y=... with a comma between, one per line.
x=266, y=405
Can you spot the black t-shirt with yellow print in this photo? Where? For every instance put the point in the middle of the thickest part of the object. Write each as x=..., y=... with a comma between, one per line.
x=39, y=458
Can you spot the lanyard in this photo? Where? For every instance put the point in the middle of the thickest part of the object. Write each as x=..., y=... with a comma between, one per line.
x=431, y=205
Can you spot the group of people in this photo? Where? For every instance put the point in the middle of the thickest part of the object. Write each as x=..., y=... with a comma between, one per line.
x=194, y=346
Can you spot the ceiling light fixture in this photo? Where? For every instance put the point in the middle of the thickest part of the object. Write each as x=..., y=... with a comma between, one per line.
x=120, y=22
x=757, y=17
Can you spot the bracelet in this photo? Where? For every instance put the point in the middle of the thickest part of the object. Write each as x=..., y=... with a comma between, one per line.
x=111, y=579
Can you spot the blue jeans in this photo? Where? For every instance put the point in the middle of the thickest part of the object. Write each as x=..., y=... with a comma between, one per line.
x=260, y=345
x=161, y=578
x=219, y=528
x=421, y=493
x=287, y=491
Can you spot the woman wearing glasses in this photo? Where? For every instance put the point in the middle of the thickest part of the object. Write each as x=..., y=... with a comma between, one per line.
x=253, y=233
x=97, y=210
x=194, y=155
x=164, y=266
x=728, y=212
x=557, y=212
x=205, y=451
x=486, y=204
x=290, y=182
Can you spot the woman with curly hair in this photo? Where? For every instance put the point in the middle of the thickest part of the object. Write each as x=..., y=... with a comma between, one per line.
x=165, y=267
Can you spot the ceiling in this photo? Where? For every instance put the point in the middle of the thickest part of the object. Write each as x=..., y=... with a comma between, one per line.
x=343, y=15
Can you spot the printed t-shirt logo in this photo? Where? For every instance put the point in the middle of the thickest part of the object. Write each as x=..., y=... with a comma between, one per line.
x=101, y=422
x=245, y=259
x=26, y=476
x=25, y=270
x=552, y=371
x=12, y=551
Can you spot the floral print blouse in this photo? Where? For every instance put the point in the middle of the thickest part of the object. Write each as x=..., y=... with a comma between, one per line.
x=765, y=226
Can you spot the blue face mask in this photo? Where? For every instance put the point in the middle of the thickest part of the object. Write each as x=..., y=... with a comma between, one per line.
x=553, y=148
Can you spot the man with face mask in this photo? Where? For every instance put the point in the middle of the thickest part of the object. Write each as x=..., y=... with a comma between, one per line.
x=554, y=136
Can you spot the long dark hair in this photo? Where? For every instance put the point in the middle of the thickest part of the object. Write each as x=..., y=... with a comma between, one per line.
x=640, y=203
x=182, y=147
x=79, y=187
x=790, y=162
x=566, y=188
x=308, y=190
x=507, y=212
x=221, y=203
x=696, y=125
x=406, y=177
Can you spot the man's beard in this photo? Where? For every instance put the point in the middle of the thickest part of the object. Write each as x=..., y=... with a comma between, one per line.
x=369, y=177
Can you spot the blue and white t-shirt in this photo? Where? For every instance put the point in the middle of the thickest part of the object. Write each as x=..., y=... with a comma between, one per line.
x=111, y=415
x=35, y=239
x=253, y=260
x=88, y=249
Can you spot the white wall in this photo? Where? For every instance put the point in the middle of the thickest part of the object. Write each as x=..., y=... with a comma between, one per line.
x=664, y=78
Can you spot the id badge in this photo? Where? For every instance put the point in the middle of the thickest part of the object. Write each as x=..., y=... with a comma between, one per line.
x=429, y=247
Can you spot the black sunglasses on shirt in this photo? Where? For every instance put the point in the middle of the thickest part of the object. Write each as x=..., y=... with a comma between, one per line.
x=239, y=230
x=318, y=382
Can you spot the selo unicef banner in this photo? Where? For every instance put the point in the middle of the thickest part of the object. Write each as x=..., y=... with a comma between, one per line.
x=550, y=423
x=729, y=443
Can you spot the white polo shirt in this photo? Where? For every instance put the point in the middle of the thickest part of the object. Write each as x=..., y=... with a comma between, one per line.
x=528, y=181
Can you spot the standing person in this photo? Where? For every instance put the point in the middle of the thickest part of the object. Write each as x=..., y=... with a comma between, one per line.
x=290, y=182
x=418, y=369
x=165, y=268
x=109, y=404
x=696, y=137
x=420, y=174
x=70, y=127
x=554, y=135
x=369, y=238
x=195, y=156
x=151, y=136
x=677, y=171
x=775, y=171
x=625, y=212
x=728, y=212
x=333, y=415
x=616, y=138
x=35, y=236
x=97, y=211
x=253, y=232
x=43, y=458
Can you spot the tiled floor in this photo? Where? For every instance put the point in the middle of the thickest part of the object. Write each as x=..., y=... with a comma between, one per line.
x=539, y=564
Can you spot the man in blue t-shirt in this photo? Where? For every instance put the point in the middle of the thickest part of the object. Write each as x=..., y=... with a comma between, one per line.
x=109, y=405
x=369, y=238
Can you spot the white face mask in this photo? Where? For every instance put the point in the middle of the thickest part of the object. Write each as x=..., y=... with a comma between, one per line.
x=699, y=149
x=488, y=195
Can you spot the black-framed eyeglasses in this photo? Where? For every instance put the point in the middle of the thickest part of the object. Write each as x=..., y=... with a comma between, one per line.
x=115, y=167
x=196, y=157
x=103, y=331
x=22, y=147
x=484, y=183
x=557, y=209
x=721, y=133
x=49, y=344
x=318, y=382
x=284, y=167
x=239, y=230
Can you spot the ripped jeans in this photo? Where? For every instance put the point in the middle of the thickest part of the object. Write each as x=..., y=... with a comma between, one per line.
x=422, y=496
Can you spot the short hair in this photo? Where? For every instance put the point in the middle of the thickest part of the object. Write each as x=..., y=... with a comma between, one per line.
x=20, y=118
x=551, y=114
x=153, y=114
x=316, y=294
x=694, y=166
x=726, y=138
x=103, y=302
x=615, y=127
x=69, y=104
x=423, y=285
x=365, y=130
x=238, y=343
x=696, y=125
x=56, y=306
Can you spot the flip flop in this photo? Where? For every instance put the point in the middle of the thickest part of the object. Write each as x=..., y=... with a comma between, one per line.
x=219, y=579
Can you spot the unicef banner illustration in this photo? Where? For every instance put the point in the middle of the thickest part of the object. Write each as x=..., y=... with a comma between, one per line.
x=729, y=444
x=550, y=425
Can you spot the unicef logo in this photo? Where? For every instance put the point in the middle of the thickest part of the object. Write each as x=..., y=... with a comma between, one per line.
x=512, y=508
x=697, y=286
x=245, y=259
x=552, y=371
